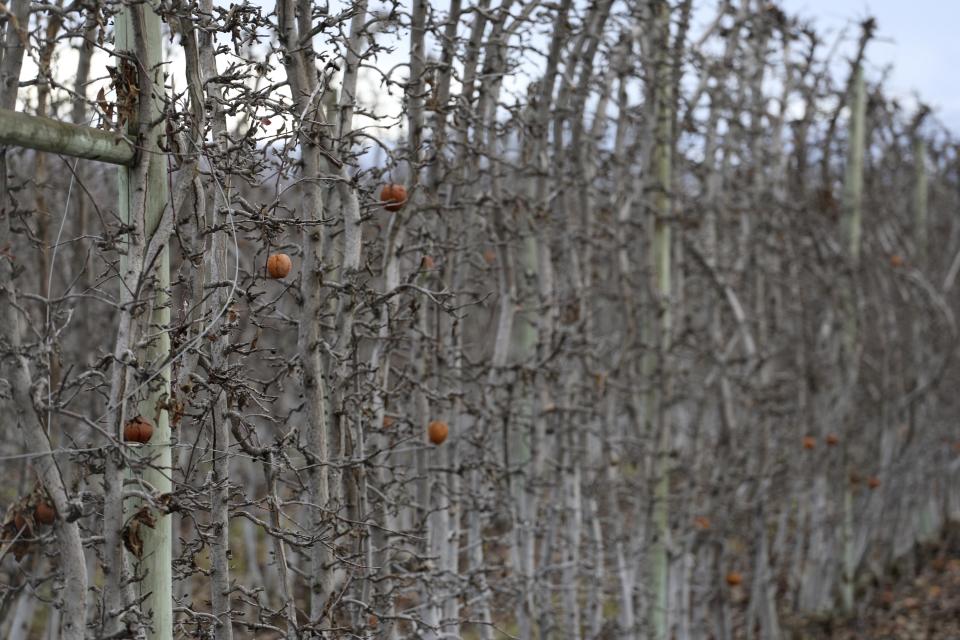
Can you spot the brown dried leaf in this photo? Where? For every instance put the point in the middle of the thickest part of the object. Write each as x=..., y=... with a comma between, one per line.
x=102, y=100
x=177, y=414
x=145, y=516
x=132, y=540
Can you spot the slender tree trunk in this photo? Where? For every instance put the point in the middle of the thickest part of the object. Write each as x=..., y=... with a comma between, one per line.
x=21, y=408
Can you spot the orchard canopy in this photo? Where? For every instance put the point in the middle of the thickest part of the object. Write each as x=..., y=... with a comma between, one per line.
x=465, y=319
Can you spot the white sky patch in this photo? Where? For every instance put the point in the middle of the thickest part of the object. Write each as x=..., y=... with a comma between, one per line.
x=917, y=39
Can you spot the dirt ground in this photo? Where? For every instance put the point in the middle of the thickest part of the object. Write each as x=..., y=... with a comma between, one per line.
x=923, y=604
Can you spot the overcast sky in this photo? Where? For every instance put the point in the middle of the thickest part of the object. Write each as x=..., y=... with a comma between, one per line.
x=918, y=37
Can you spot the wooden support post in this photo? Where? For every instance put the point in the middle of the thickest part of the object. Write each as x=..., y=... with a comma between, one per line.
x=661, y=253
x=920, y=201
x=853, y=211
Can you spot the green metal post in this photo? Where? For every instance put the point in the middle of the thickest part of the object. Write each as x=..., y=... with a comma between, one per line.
x=156, y=562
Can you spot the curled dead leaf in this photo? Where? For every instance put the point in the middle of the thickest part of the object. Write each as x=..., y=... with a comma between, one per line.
x=132, y=540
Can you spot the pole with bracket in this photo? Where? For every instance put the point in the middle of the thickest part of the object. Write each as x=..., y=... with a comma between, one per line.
x=151, y=191
x=46, y=134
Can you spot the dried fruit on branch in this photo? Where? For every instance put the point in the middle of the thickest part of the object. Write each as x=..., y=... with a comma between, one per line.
x=437, y=431
x=44, y=513
x=393, y=197
x=279, y=265
x=138, y=430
